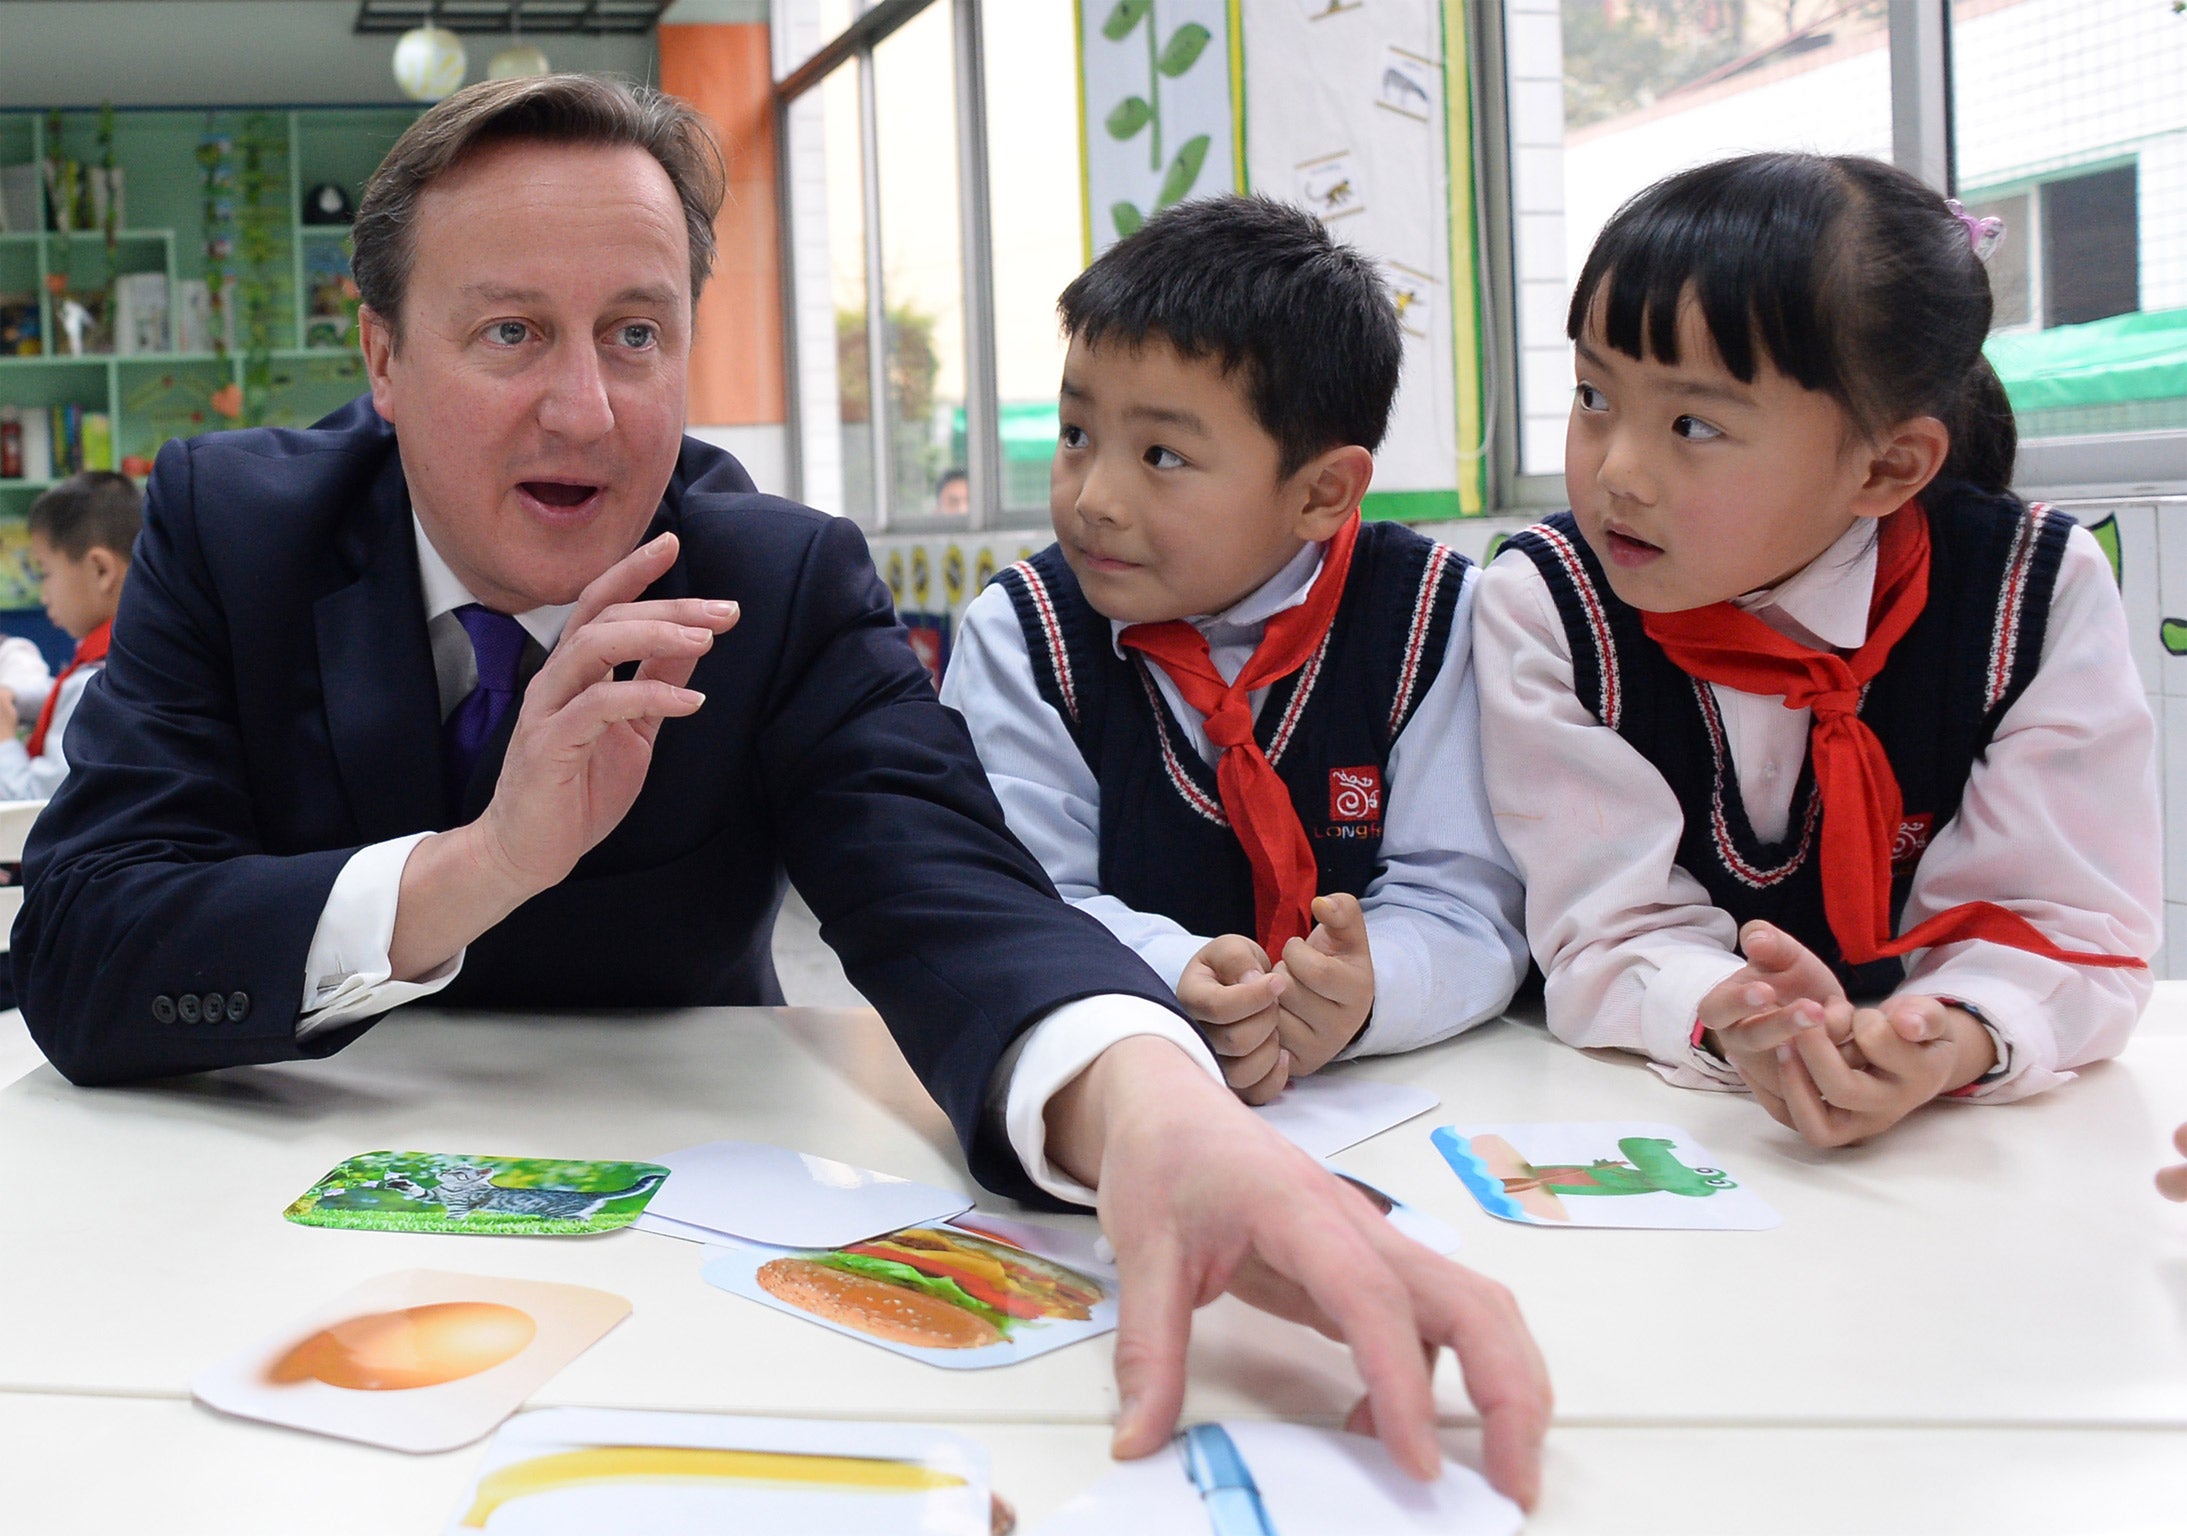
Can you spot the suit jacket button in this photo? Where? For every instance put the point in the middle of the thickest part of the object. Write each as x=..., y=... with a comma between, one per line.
x=189, y=1008
x=163, y=1009
x=216, y=1008
x=239, y=1007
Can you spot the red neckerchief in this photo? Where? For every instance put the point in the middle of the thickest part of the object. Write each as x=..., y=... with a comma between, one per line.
x=91, y=647
x=1285, y=874
x=1861, y=805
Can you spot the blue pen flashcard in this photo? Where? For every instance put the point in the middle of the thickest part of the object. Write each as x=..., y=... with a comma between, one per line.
x=1600, y=1173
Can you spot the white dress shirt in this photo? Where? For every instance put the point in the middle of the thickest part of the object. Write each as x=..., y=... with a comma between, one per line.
x=2059, y=823
x=348, y=975
x=1442, y=915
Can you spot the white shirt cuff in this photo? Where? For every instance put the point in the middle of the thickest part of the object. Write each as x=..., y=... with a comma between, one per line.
x=1061, y=1046
x=1399, y=1019
x=347, y=973
x=2005, y=1011
x=1669, y=1007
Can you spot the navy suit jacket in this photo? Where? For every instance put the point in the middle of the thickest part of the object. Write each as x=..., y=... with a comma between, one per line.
x=269, y=707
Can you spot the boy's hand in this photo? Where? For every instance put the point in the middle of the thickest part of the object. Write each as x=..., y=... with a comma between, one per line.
x=10, y=721
x=1231, y=989
x=1912, y=1049
x=1759, y=1007
x=1331, y=989
x=2172, y=1181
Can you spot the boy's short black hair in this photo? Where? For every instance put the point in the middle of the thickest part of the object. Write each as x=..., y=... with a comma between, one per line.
x=97, y=509
x=1260, y=286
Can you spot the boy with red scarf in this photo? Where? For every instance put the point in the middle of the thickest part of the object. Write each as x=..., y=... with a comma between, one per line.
x=1233, y=722
x=81, y=533
x=1824, y=755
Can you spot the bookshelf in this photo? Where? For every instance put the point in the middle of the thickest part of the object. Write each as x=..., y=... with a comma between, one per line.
x=282, y=370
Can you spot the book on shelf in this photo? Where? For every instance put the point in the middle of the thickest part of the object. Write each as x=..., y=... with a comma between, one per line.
x=37, y=445
x=21, y=187
x=96, y=433
x=140, y=313
x=194, y=315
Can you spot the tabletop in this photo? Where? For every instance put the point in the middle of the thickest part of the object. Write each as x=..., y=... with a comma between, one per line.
x=1995, y=1291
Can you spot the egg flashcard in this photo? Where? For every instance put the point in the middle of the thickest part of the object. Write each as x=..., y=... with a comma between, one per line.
x=481, y=1196
x=582, y=1471
x=1601, y=1173
x=949, y=1295
x=1263, y=1478
x=418, y=1360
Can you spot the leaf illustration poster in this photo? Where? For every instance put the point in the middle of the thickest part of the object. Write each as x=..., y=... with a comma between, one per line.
x=1161, y=112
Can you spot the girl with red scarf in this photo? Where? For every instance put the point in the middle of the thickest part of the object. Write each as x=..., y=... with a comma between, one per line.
x=1822, y=754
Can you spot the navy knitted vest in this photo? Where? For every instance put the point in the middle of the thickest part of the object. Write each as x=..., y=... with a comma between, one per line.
x=1993, y=564
x=1166, y=845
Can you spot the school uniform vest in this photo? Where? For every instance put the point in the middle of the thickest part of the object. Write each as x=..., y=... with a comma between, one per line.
x=1166, y=845
x=1935, y=705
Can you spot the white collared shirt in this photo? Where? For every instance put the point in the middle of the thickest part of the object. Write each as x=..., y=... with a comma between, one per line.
x=1443, y=913
x=2059, y=823
x=348, y=974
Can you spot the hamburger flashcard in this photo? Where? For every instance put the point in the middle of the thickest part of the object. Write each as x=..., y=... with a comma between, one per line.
x=477, y=1196
x=944, y=1294
x=1600, y=1173
x=419, y=1360
x=582, y=1471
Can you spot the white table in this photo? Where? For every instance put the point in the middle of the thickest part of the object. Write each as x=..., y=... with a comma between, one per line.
x=1976, y=1324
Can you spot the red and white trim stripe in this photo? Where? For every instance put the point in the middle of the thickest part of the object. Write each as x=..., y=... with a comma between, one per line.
x=1598, y=623
x=2011, y=604
x=1308, y=676
x=1194, y=796
x=1743, y=870
x=1059, y=659
x=1423, y=608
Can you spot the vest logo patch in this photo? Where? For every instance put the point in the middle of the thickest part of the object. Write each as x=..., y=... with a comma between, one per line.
x=1912, y=841
x=1355, y=794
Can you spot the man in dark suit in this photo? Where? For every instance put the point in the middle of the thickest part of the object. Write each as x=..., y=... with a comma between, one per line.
x=498, y=687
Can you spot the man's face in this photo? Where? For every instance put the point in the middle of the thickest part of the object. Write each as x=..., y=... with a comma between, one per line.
x=537, y=389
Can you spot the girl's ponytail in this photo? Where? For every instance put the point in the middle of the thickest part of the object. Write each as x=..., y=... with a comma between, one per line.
x=1985, y=438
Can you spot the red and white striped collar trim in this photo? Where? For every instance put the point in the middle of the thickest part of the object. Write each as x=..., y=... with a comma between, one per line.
x=1193, y=795
x=2012, y=606
x=1416, y=638
x=1309, y=675
x=1051, y=629
x=1746, y=871
x=1612, y=703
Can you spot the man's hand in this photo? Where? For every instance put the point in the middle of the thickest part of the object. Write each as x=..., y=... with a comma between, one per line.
x=1760, y=1006
x=1331, y=991
x=1231, y=989
x=1198, y=1197
x=2172, y=1181
x=577, y=757
x=1911, y=1049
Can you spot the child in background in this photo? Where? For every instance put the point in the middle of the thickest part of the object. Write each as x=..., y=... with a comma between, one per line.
x=81, y=535
x=1235, y=724
x=1799, y=677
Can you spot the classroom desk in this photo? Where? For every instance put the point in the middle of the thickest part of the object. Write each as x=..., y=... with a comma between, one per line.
x=1985, y=1305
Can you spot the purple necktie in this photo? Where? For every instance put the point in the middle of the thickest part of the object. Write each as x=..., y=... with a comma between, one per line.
x=498, y=642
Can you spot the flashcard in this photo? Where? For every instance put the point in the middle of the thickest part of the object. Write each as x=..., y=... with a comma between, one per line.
x=1417, y=1225
x=759, y=1193
x=1325, y=1113
x=491, y=1196
x=418, y=1360
x=1602, y=1173
x=1408, y=83
x=1257, y=1479
x=948, y=1295
x=582, y=1471
x=1329, y=186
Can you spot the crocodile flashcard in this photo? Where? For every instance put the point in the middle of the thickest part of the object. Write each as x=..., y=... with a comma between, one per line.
x=1599, y=1174
x=493, y=1196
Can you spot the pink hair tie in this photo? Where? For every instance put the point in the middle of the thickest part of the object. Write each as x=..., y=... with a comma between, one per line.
x=1984, y=235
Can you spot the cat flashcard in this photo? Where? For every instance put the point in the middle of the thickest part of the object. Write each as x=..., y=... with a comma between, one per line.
x=1599, y=1174
x=418, y=1361
x=583, y=1471
x=479, y=1196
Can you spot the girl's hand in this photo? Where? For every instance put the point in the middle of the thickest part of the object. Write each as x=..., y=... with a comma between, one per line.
x=2172, y=1181
x=1911, y=1049
x=1782, y=990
